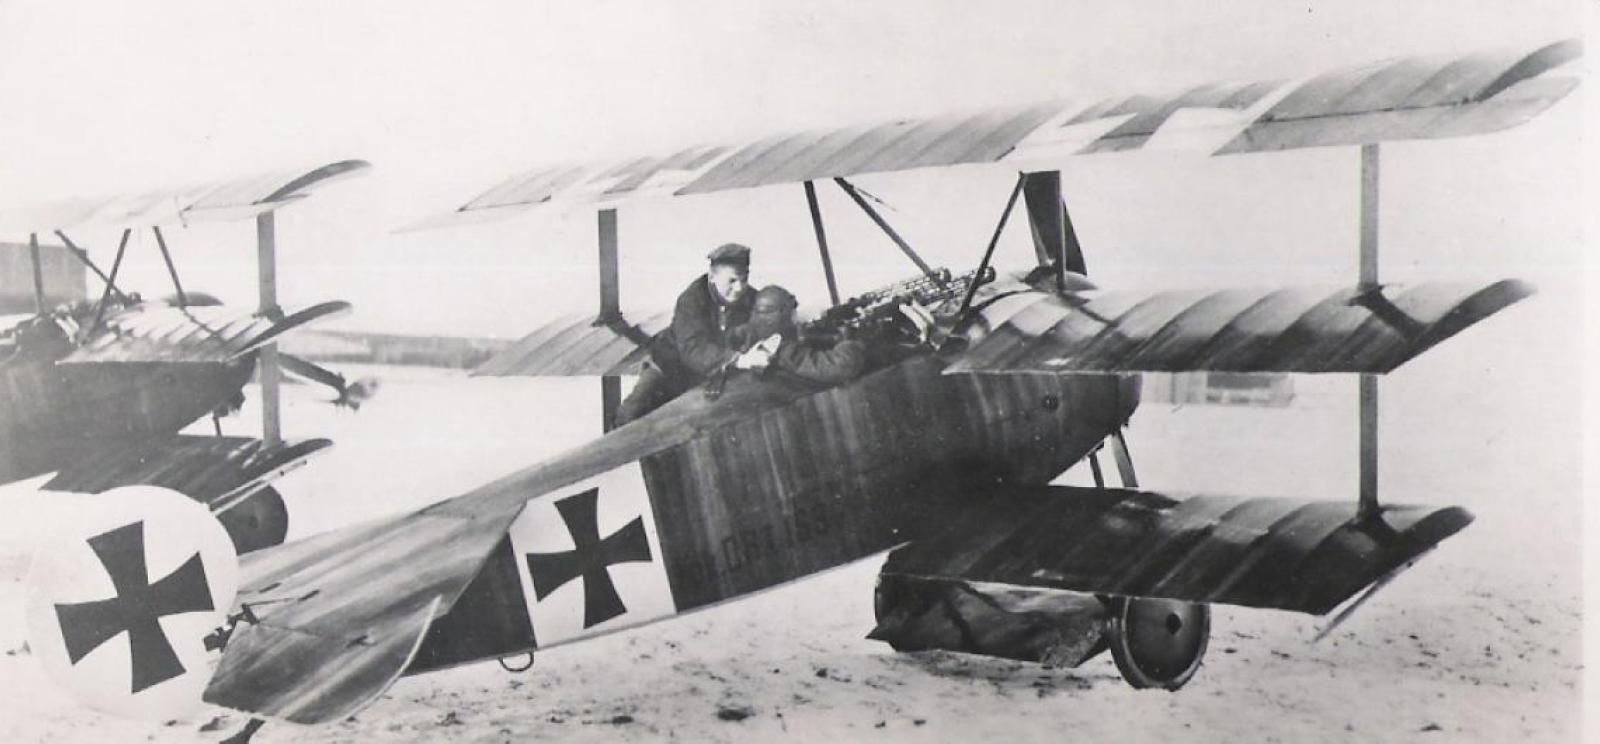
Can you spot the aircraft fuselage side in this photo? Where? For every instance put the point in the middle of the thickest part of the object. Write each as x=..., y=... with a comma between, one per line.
x=49, y=410
x=777, y=491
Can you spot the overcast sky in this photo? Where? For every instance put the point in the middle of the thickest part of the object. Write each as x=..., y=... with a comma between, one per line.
x=447, y=98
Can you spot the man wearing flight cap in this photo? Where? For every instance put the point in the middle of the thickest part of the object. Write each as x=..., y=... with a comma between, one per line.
x=770, y=344
x=696, y=344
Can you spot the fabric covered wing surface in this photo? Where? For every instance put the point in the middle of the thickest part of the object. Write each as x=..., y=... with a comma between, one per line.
x=1307, y=330
x=1413, y=98
x=577, y=346
x=160, y=333
x=239, y=198
x=1288, y=554
x=202, y=468
x=1405, y=98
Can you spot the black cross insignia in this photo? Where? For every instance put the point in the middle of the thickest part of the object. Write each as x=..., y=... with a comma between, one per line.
x=591, y=558
x=136, y=608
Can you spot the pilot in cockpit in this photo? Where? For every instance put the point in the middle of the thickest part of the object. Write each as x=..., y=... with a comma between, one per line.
x=771, y=343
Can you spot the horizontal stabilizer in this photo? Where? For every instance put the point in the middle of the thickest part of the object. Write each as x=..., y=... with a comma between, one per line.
x=312, y=677
x=1307, y=329
x=577, y=346
x=163, y=333
x=341, y=613
x=203, y=468
x=1287, y=554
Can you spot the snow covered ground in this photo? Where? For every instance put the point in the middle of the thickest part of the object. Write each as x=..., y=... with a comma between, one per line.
x=1480, y=642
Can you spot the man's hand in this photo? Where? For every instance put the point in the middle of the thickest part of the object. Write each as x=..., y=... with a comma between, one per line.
x=756, y=358
x=770, y=344
x=760, y=355
x=920, y=318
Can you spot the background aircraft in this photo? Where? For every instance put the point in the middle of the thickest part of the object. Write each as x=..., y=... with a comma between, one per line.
x=97, y=392
x=464, y=552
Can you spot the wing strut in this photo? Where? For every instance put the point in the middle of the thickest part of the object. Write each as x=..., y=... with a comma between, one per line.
x=1055, y=242
x=988, y=253
x=877, y=219
x=161, y=242
x=38, y=273
x=1119, y=451
x=1368, y=393
x=111, y=282
x=83, y=258
x=822, y=242
x=610, y=312
x=267, y=278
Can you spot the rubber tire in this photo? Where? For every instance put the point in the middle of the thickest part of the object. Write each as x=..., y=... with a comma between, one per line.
x=1138, y=621
x=262, y=521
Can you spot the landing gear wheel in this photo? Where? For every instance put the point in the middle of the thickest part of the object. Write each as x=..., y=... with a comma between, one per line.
x=1158, y=642
x=262, y=521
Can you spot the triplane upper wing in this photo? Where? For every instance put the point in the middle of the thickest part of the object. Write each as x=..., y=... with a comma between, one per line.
x=233, y=199
x=1398, y=99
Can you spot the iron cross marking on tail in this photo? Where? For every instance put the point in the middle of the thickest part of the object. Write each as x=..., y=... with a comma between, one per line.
x=590, y=558
x=137, y=607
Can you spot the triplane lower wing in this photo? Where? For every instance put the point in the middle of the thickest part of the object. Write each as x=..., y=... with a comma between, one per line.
x=943, y=452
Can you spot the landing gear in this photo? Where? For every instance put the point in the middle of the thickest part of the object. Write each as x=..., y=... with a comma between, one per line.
x=1157, y=642
x=245, y=734
x=261, y=521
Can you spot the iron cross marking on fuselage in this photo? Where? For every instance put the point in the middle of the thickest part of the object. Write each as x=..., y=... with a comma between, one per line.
x=137, y=607
x=591, y=558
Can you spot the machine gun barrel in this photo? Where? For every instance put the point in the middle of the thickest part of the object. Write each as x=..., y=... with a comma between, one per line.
x=875, y=312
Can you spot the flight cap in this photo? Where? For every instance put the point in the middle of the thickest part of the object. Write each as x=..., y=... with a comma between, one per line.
x=730, y=253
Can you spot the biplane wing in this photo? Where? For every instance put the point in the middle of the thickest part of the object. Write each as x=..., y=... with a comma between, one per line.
x=1398, y=99
x=1305, y=330
x=234, y=199
x=1278, y=553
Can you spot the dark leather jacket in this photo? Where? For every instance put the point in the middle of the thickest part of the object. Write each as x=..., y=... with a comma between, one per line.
x=696, y=344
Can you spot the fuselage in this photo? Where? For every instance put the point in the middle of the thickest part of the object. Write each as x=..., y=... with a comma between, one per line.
x=764, y=485
x=50, y=411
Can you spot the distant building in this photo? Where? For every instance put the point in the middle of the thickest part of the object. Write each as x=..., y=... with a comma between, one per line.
x=64, y=277
x=360, y=347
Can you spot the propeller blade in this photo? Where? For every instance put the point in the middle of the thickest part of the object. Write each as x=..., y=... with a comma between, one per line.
x=351, y=395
